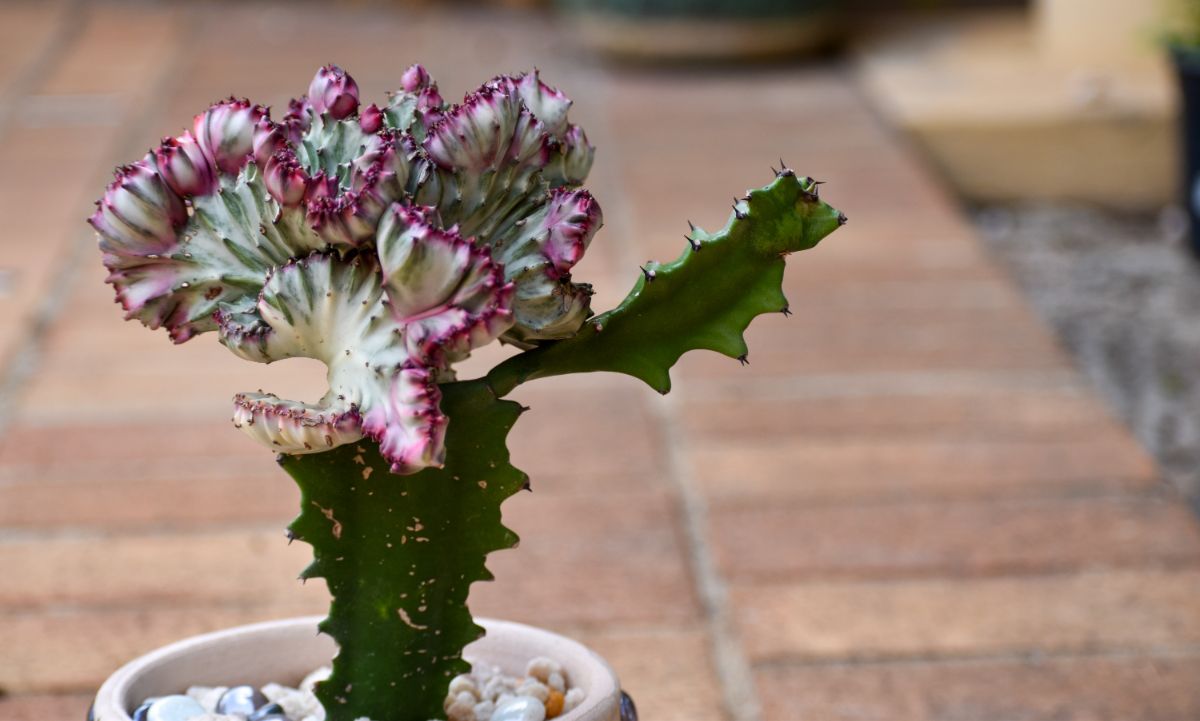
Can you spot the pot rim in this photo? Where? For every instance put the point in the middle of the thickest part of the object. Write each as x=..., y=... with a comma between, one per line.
x=585, y=668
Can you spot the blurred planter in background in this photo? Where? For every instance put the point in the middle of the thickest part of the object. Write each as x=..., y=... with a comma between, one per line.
x=689, y=30
x=1183, y=43
x=1187, y=68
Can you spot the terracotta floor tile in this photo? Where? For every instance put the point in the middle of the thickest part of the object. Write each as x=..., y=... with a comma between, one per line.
x=811, y=410
x=580, y=441
x=115, y=503
x=74, y=650
x=67, y=707
x=781, y=347
x=668, y=673
x=1050, y=689
x=591, y=561
x=1076, y=613
x=871, y=470
x=220, y=567
x=25, y=28
x=120, y=50
x=776, y=542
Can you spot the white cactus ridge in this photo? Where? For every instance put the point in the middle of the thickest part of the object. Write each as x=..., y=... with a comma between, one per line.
x=387, y=241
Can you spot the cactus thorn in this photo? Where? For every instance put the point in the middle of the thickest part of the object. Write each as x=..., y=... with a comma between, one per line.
x=695, y=243
x=648, y=273
x=280, y=457
x=787, y=311
x=744, y=359
x=841, y=218
x=737, y=213
x=691, y=225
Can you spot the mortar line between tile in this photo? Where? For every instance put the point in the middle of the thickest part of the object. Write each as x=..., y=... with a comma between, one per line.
x=733, y=671
x=733, y=667
x=1036, y=656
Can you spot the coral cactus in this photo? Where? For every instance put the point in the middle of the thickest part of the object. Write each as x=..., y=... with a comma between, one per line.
x=388, y=242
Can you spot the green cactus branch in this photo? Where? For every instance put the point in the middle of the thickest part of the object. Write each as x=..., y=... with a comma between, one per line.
x=399, y=554
x=704, y=299
x=399, y=610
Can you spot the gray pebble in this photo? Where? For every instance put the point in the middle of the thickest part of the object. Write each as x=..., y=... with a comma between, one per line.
x=628, y=709
x=174, y=708
x=270, y=712
x=241, y=700
x=139, y=714
x=521, y=708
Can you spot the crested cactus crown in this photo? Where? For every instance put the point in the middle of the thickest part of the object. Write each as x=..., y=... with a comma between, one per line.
x=386, y=241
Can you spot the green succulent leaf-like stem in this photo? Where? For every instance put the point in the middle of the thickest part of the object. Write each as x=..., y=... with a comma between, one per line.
x=704, y=299
x=399, y=554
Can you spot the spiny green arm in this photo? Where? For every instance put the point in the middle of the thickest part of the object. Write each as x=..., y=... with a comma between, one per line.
x=704, y=299
x=399, y=554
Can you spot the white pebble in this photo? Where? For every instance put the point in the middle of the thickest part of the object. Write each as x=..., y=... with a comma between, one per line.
x=522, y=708
x=462, y=683
x=207, y=696
x=534, y=689
x=296, y=704
x=484, y=710
x=462, y=708
x=175, y=708
x=273, y=691
x=573, y=698
x=497, y=685
x=310, y=681
x=541, y=668
x=557, y=682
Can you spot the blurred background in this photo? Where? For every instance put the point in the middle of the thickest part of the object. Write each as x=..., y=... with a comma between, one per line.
x=959, y=483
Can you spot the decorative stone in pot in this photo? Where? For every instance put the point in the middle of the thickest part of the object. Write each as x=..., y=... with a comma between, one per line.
x=285, y=651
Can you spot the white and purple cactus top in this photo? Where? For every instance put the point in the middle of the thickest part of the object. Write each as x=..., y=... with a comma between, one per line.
x=385, y=241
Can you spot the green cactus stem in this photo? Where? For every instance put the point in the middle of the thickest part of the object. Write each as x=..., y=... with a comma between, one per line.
x=399, y=554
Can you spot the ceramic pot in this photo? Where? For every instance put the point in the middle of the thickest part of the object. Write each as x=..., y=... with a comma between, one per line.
x=703, y=30
x=286, y=651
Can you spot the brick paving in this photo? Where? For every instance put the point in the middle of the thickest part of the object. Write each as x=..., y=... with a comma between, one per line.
x=908, y=507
